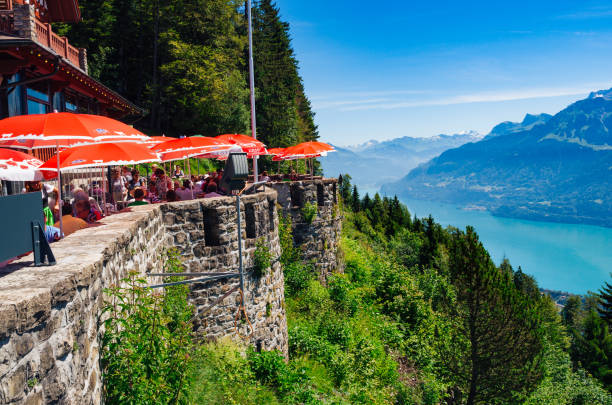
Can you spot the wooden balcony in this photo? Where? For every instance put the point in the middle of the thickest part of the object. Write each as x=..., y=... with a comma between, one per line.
x=21, y=21
x=46, y=37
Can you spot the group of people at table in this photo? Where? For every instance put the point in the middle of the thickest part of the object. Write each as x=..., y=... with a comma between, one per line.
x=127, y=189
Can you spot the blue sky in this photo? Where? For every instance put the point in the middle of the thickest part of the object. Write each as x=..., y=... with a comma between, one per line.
x=381, y=70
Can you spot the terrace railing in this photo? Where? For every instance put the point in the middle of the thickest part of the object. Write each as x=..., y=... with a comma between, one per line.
x=46, y=37
x=21, y=21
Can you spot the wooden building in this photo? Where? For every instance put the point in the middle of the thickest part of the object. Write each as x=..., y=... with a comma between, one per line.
x=41, y=72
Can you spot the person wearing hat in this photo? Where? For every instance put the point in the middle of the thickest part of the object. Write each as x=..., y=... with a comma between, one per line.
x=139, y=193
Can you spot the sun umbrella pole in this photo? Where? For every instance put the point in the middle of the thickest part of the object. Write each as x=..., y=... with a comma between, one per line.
x=189, y=170
x=104, y=191
x=59, y=189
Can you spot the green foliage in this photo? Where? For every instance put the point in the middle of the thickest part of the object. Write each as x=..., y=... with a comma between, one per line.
x=146, y=342
x=593, y=348
x=262, y=258
x=289, y=254
x=605, y=302
x=499, y=335
x=561, y=385
x=297, y=277
x=309, y=212
x=292, y=384
x=223, y=376
x=284, y=114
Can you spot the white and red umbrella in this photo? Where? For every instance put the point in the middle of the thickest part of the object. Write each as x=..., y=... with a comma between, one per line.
x=308, y=150
x=191, y=145
x=66, y=126
x=251, y=146
x=101, y=154
x=153, y=141
x=19, y=166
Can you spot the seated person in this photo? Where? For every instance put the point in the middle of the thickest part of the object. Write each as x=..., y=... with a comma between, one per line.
x=48, y=214
x=81, y=195
x=294, y=176
x=139, y=194
x=52, y=233
x=84, y=210
x=152, y=194
x=171, y=196
x=264, y=176
x=211, y=190
x=185, y=193
x=70, y=224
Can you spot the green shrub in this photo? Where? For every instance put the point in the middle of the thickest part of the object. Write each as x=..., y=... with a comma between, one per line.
x=271, y=369
x=223, y=375
x=146, y=342
x=309, y=212
x=289, y=253
x=297, y=277
x=262, y=258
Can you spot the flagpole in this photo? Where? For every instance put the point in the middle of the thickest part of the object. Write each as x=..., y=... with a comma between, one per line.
x=252, y=86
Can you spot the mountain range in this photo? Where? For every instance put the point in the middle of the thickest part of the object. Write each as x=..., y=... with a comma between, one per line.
x=547, y=168
x=374, y=163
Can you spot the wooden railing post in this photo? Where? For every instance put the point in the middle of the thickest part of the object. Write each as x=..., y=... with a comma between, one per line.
x=65, y=47
x=49, y=33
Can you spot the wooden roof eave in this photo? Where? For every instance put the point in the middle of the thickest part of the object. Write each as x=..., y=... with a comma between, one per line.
x=81, y=79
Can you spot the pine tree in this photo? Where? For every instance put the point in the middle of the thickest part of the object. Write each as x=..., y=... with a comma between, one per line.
x=355, y=200
x=276, y=77
x=366, y=203
x=572, y=312
x=593, y=348
x=500, y=338
x=605, y=303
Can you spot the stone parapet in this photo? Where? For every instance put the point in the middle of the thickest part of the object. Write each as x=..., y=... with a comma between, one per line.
x=49, y=316
x=318, y=239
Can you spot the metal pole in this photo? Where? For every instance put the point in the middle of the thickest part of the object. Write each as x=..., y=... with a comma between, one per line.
x=189, y=169
x=240, y=249
x=59, y=189
x=252, y=86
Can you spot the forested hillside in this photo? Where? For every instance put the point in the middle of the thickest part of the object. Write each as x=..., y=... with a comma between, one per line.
x=185, y=61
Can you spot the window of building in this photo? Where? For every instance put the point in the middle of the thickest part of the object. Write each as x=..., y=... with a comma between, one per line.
x=37, y=96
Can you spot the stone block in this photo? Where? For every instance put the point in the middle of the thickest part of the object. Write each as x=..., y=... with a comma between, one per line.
x=47, y=362
x=8, y=320
x=53, y=388
x=14, y=386
x=23, y=344
x=34, y=398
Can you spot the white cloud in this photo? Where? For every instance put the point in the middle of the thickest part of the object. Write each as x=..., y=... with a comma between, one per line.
x=381, y=93
x=482, y=97
x=598, y=12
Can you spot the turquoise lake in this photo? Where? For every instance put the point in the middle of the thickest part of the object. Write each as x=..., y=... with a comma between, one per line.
x=565, y=257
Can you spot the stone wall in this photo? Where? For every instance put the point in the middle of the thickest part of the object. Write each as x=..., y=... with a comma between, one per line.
x=49, y=316
x=318, y=239
x=49, y=336
x=189, y=224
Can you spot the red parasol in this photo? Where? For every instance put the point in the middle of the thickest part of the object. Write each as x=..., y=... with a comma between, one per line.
x=308, y=150
x=101, y=154
x=250, y=145
x=153, y=141
x=189, y=144
x=64, y=125
x=19, y=166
